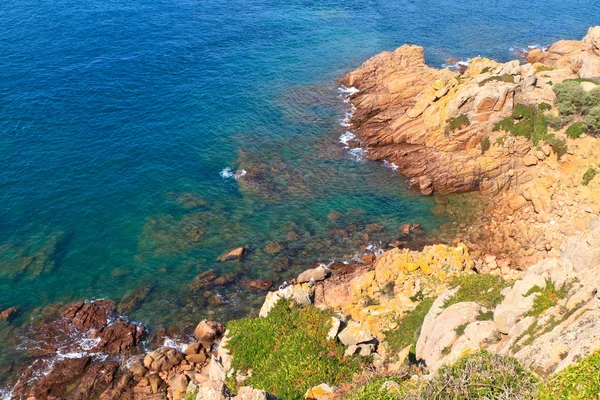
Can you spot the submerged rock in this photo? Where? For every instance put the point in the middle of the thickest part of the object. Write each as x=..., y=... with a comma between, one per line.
x=233, y=255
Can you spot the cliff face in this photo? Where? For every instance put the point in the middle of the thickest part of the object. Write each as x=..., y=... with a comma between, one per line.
x=431, y=123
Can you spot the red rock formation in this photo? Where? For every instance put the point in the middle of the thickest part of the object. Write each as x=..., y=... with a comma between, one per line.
x=403, y=110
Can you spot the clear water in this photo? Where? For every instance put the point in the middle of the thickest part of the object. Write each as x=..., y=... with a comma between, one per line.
x=112, y=113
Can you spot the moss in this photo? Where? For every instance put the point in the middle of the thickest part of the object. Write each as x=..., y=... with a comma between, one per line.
x=482, y=289
x=498, y=78
x=580, y=80
x=486, y=69
x=457, y=123
x=485, y=144
x=548, y=297
x=288, y=351
x=542, y=68
x=461, y=329
x=486, y=316
x=409, y=326
x=576, y=382
x=576, y=130
x=588, y=176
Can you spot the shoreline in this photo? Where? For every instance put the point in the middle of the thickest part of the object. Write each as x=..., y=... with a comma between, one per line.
x=530, y=233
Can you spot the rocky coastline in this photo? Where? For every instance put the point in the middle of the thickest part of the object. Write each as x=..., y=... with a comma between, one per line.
x=521, y=282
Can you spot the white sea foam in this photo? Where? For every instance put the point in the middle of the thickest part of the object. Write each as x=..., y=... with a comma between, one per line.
x=176, y=343
x=348, y=90
x=460, y=63
x=240, y=173
x=358, y=154
x=226, y=173
x=6, y=394
x=390, y=165
x=347, y=137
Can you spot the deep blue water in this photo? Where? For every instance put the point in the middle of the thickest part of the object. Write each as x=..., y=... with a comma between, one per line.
x=113, y=113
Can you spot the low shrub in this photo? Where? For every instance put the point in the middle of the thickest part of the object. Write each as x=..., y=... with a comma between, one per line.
x=542, y=68
x=556, y=121
x=288, y=351
x=480, y=288
x=544, y=107
x=498, y=78
x=589, y=175
x=569, y=97
x=375, y=390
x=576, y=382
x=559, y=146
x=486, y=69
x=579, y=80
x=593, y=120
x=409, y=327
x=457, y=123
x=575, y=130
x=481, y=375
x=485, y=144
x=548, y=297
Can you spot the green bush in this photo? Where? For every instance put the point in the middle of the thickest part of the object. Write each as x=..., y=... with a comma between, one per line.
x=480, y=288
x=498, y=78
x=481, y=375
x=593, y=120
x=544, y=107
x=548, y=297
x=486, y=69
x=576, y=130
x=592, y=98
x=485, y=144
x=589, y=175
x=557, y=121
x=409, y=327
x=576, y=382
x=457, y=123
x=559, y=146
x=288, y=352
x=569, y=97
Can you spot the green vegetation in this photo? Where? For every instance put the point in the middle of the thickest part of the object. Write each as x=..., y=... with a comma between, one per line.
x=589, y=175
x=457, y=123
x=486, y=316
x=486, y=69
x=576, y=130
x=548, y=297
x=480, y=288
x=530, y=122
x=542, y=68
x=191, y=395
x=544, y=107
x=572, y=100
x=500, y=141
x=375, y=390
x=557, y=121
x=408, y=329
x=485, y=144
x=288, y=351
x=498, y=78
x=579, y=80
x=576, y=382
x=461, y=328
x=593, y=120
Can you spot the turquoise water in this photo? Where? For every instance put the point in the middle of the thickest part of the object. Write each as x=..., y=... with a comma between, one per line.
x=117, y=120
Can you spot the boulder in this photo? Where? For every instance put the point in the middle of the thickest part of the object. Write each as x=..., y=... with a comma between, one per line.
x=208, y=332
x=515, y=304
x=8, y=314
x=178, y=385
x=249, y=393
x=233, y=255
x=163, y=359
x=354, y=333
x=320, y=392
x=315, y=274
x=213, y=390
x=302, y=294
x=336, y=323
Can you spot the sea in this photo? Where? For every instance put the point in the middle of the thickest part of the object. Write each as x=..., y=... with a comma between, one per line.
x=141, y=139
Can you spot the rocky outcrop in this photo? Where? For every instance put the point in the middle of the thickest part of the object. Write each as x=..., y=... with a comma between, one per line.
x=430, y=122
x=583, y=57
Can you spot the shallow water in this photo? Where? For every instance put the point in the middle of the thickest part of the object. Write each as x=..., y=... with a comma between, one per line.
x=117, y=120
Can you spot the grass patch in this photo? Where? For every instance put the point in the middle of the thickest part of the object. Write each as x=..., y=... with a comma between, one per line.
x=548, y=297
x=485, y=316
x=498, y=78
x=288, y=351
x=588, y=176
x=576, y=382
x=457, y=123
x=482, y=289
x=576, y=130
x=580, y=80
x=409, y=327
x=375, y=390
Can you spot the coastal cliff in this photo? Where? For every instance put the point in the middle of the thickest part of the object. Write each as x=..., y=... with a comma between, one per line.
x=511, y=300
